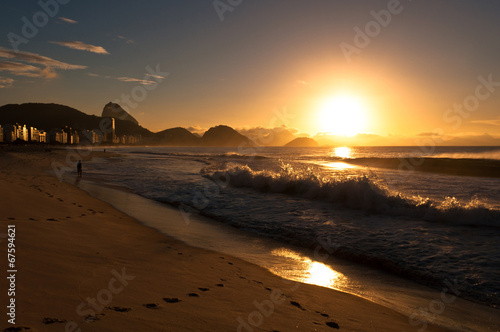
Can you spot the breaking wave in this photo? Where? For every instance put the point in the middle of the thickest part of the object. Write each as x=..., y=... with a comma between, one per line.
x=356, y=192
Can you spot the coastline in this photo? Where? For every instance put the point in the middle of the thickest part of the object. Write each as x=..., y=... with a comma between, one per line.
x=78, y=248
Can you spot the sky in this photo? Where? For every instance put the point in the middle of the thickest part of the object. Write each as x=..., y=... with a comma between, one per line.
x=377, y=72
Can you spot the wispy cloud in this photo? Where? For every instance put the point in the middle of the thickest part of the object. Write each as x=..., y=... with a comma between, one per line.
x=6, y=82
x=68, y=20
x=130, y=79
x=78, y=45
x=156, y=76
x=125, y=79
x=492, y=122
x=36, y=58
x=22, y=69
x=24, y=64
x=128, y=41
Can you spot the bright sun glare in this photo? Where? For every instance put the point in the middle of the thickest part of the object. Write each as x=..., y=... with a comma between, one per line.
x=342, y=115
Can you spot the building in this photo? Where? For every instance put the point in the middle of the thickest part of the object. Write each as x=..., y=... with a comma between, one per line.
x=91, y=136
x=75, y=138
x=9, y=133
x=22, y=132
x=42, y=136
x=110, y=134
x=34, y=135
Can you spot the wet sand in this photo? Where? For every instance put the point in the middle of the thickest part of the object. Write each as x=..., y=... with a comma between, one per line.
x=83, y=265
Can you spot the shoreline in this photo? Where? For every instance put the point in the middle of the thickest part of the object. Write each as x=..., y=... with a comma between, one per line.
x=73, y=247
x=294, y=263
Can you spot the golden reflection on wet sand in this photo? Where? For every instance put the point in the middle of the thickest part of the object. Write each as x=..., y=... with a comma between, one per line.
x=305, y=270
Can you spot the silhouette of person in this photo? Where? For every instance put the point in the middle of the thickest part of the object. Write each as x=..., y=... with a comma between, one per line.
x=79, y=168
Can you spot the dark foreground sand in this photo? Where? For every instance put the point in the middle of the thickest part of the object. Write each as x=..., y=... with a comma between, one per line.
x=84, y=266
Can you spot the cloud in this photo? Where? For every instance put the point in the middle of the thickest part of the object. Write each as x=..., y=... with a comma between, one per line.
x=125, y=79
x=36, y=58
x=21, y=69
x=6, y=82
x=78, y=45
x=128, y=41
x=197, y=130
x=156, y=76
x=130, y=79
x=68, y=20
x=493, y=122
x=277, y=136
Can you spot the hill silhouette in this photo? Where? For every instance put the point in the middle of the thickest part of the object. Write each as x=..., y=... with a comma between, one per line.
x=302, y=142
x=177, y=137
x=50, y=116
x=53, y=116
x=224, y=136
x=112, y=110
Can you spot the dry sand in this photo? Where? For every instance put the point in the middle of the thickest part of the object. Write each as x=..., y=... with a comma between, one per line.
x=84, y=266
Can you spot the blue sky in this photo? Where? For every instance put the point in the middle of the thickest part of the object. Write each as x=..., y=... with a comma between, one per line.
x=266, y=55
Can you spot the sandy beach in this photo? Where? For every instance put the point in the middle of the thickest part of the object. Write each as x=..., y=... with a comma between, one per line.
x=84, y=266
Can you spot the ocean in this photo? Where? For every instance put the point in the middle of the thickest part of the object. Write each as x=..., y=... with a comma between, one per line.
x=432, y=217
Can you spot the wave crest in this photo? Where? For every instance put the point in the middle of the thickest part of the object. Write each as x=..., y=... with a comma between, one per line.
x=361, y=193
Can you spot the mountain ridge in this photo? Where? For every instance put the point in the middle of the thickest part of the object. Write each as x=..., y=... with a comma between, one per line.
x=48, y=116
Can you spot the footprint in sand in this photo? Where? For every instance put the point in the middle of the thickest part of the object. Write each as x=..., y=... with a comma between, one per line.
x=193, y=295
x=11, y=218
x=17, y=329
x=297, y=304
x=48, y=320
x=51, y=219
x=204, y=289
x=171, y=300
x=151, y=306
x=219, y=285
x=333, y=325
x=93, y=318
x=119, y=309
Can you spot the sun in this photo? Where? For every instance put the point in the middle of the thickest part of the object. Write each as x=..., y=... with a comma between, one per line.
x=343, y=115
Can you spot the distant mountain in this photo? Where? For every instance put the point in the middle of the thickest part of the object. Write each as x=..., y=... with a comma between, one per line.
x=51, y=116
x=177, y=137
x=112, y=110
x=302, y=142
x=224, y=136
x=54, y=116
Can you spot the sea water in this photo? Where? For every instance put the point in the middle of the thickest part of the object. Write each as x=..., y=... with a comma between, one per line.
x=434, y=227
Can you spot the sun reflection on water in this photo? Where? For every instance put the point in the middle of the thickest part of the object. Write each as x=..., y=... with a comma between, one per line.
x=305, y=270
x=342, y=152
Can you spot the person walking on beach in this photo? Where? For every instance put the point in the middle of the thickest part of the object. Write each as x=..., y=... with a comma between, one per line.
x=79, y=168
